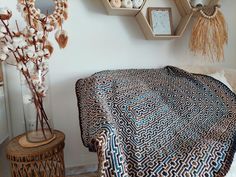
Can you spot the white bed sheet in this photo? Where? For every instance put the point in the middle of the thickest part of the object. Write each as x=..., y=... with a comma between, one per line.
x=230, y=75
x=232, y=171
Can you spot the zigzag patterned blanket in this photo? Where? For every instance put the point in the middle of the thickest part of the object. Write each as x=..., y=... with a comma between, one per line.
x=158, y=123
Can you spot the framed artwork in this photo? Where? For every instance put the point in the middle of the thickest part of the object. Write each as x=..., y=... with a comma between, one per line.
x=161, y=21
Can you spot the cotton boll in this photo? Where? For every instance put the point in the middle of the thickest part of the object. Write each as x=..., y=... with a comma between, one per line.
x=19, y=42
x=115, y=3
x=5, y=49
x=3, y=29
x=31, y=48
x=49, y=27
x=137, y=3
x=2, y=35
x=44, y=67
x=127, y=4
x=15, y=43
x=23, y=44
x=30, y=65
x=31, y=30
x=17, y=39
x=46, y=53
x=36, y=81
x=40, y=53
x=40, y=35
x=44, y=92
x=19, y=66
x=10, y=46
x=31, y=39
x=35, y=55
x=3, y=56
x=30, y=54
x=25, y=31
x=27, y=99
x=24, y=68
x=42, y=16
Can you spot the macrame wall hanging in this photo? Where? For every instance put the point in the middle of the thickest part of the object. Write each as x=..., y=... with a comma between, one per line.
x=49, y=21
x=209, y=33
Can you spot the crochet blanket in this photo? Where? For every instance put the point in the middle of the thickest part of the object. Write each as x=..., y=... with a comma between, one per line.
x=157, y=123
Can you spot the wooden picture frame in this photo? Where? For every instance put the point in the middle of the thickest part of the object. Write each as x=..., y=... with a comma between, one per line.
x=161, y=22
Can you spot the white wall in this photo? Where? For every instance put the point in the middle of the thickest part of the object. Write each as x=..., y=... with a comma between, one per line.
x=99, y=42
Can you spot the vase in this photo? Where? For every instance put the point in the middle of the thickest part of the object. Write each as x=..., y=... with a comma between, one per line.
x=36, y=106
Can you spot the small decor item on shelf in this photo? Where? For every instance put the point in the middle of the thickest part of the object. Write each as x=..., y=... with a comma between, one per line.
x=209, y=34
x=160, y=19
x=115, y=3
x=130, y=4
x=31, y=50
x=137, y=3
x=127, y=4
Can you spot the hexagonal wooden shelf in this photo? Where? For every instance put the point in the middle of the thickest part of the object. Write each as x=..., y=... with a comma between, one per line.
x=181, y=7
x=121, y=11
x=184, y=9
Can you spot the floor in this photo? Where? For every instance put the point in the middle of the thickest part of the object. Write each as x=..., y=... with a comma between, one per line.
x=86, y=175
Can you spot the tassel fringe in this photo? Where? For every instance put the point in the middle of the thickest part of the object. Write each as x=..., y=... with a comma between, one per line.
x=209, y=35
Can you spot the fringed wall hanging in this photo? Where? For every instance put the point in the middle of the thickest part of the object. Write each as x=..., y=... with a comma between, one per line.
x=209, y=33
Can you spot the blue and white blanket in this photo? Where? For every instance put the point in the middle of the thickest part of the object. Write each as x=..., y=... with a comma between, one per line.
x=158, y=123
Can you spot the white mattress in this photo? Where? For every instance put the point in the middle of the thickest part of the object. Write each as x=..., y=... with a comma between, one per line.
x=232, y=171
x=230, y=74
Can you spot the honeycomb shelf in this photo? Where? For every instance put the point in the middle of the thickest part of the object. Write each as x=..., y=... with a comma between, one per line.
x=181, y=8
x=121, y=11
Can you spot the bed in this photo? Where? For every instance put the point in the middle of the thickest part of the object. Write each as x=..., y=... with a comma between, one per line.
x=230, y=75
x=159, y=122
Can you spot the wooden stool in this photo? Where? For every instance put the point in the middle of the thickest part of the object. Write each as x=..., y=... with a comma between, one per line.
x=42, y=161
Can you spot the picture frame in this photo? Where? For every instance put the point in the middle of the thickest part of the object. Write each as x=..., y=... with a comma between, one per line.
x=161, y=22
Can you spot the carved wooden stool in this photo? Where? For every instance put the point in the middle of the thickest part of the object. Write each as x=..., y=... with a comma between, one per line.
x=42, y=161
